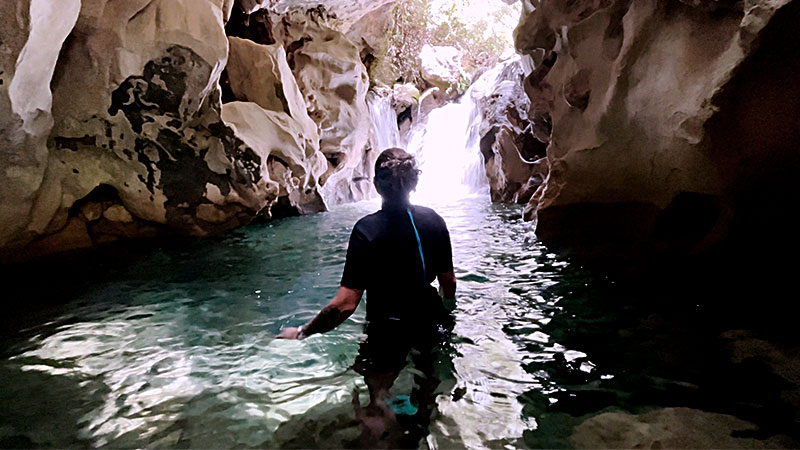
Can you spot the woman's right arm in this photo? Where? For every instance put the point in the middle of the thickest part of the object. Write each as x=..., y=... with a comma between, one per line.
x=447, y=284
x=337, y=311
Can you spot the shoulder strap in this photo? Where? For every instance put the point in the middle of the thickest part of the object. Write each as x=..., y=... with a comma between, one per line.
x=419, y=244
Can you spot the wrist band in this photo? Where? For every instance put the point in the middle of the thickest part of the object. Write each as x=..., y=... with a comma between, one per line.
x=300, y=335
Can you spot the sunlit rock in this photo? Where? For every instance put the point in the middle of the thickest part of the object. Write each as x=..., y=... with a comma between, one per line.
x=404, y=95
x=441, y=67
x=670, y=125
x=371, y=34
x=669, y=428
x=334, y=83
x=345, y=12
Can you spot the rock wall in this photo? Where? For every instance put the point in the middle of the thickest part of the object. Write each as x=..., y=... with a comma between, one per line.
x=514, y=158
x=672, y=126
x=113, y=125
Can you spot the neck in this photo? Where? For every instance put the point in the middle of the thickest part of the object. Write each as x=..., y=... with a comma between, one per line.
x=396, y=204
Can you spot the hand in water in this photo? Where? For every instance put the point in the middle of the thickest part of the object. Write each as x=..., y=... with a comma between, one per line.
x=288, y=333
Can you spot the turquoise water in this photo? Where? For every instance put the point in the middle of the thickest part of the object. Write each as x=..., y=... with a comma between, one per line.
x=173, y=346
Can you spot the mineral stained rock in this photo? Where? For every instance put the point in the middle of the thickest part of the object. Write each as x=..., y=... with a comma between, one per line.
x=671, y=125
x=111, y=124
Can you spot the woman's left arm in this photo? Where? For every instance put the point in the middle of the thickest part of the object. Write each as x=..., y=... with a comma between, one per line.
x=337, y=311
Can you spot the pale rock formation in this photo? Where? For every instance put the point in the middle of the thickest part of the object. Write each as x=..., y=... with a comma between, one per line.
x=131, y=141
x=260, y=74
x=404, y=95
x=31, y=37
x=513, y=157
x=292, y=161
x=370, y=32
x=656, y=113
x=334, y=83
x=669, y=428
x=441, y=67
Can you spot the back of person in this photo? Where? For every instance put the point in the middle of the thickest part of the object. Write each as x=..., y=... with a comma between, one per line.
x=395, y=254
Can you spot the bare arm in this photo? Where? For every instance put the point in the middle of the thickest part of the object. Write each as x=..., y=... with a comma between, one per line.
x=447, y=284
x=333, y=314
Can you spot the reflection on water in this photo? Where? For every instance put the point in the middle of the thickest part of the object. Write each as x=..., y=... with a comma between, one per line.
x=175, y=348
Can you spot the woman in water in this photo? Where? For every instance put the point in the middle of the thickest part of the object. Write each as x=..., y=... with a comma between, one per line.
x=394, y=255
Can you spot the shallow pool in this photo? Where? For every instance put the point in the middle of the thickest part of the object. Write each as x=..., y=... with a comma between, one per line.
x=174, y=346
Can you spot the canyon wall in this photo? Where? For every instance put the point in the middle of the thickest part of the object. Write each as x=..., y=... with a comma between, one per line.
x=114, y=123
x=672, y=126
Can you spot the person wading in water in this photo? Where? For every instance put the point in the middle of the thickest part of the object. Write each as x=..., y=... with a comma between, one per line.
x=394, y=255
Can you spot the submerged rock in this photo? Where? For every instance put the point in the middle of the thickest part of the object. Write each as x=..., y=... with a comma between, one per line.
x=670, y=428
x=671, y=125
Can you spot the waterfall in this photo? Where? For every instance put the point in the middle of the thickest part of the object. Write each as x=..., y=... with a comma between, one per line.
x=446, y=144
x=384, y=121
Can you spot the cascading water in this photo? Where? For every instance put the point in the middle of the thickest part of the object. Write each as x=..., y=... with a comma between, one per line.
x=384, y=121
x=446, y=144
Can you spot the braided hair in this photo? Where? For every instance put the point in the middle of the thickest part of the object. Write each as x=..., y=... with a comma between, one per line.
x=396, y=175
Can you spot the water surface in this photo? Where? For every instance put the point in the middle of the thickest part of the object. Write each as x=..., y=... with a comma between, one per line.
x=174, y=346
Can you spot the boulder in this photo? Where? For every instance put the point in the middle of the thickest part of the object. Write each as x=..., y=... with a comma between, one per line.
x=441, y=67
x=671, y=126
x=404, y=95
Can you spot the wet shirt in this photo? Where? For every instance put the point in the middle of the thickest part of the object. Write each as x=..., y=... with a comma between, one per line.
x=383, y=258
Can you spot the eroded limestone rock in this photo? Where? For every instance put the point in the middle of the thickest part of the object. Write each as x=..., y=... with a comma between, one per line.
x=514, y=158
x=346, y=12
x=261, y=74
x=31, y=37
x=291, y=160
x=131, y=141
x=334, y=83
x=654, y=124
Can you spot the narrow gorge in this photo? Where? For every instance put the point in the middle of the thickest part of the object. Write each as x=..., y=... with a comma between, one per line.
x=180, y=177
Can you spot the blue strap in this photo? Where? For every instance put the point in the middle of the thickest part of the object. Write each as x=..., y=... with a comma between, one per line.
x=419, y=243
